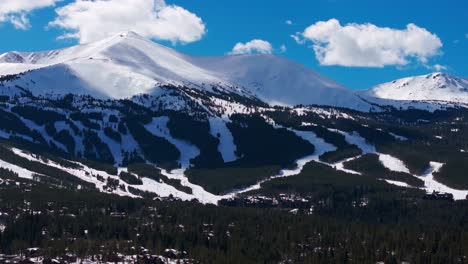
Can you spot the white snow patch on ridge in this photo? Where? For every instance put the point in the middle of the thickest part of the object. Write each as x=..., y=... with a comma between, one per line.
x=393, y=163
x=355, y=139
x=398, y=137
x=320, y=145
x=398, y=183
x=226, y=146
x=340, y=165
x=198, y=192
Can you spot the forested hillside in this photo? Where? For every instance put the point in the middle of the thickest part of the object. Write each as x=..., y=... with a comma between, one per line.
x=343, y=227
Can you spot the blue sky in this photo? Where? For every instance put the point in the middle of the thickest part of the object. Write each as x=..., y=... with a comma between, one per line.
x=226, y=23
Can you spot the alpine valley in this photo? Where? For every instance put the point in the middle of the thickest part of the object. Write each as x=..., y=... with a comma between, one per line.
x=122, y=147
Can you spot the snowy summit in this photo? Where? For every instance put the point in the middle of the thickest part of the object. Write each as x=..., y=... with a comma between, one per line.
x=127, y=64
x=432, y=87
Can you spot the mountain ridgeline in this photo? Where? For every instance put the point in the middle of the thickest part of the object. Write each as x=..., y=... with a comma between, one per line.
x=141, y=118
x=117, y=150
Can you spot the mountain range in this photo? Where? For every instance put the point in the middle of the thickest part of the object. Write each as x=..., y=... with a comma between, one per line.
x=127, y=64
x=125, y=115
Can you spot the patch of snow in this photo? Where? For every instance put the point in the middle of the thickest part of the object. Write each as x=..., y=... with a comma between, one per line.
x=432, y=185
x=324, y=113
x=129, y=144
x=393, y=163
x=229, y=108
x=22, y=173
x=4, y=134
x=114, y=147
x=320, y=147
x=61, y=125
x=198, y=192
x=340, y=166
x=355, y=139
x=226, y=146
x=398, y=137
x=398, y=183
x=308, y=124
x=41, y=129
x=15, y=68
x=84, y=173
x=161, y=189
x=158, y=127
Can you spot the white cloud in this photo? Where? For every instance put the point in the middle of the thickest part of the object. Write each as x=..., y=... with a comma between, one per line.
x=289, y=22
x=20, y=21
x=439, y=67
x=93, y=20
x=15, y=11
x=253, y=46
x=283, y=48
x=298, y=38
x=366, y=45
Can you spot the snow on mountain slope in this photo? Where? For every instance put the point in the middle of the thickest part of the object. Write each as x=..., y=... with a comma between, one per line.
x=158, y=127
x=117, y=67
x=432, y=87
x=226, y=146
x=279, y=81
x=127, y=64
x=432, y=185
x=22, y=172
x=393, y=163
x=8, y=68
x=320, y=147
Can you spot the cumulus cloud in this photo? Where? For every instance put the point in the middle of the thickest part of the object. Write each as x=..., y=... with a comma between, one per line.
x=88, y=21
x=16, y=11
x=366, y=45
x=253, y=46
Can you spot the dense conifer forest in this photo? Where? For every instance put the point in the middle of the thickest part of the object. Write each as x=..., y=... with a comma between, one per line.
x=335, y=221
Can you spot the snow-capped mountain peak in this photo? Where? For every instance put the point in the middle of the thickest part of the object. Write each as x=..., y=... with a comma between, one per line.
x=128, y=64
x=431, y=87
x=12, y=57
x=120, y=66
x=83, y=51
